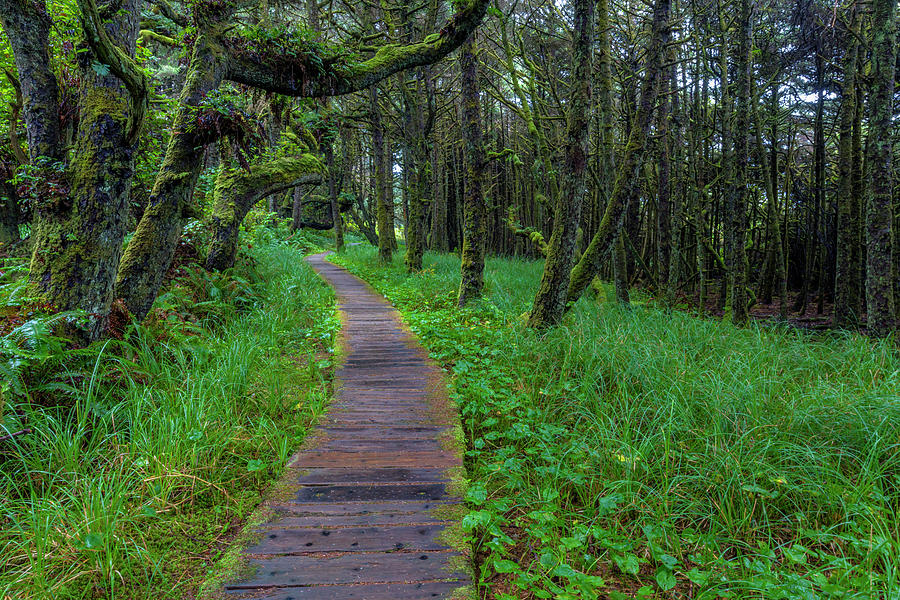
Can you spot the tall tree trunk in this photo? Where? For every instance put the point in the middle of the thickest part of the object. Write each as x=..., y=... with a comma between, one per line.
x=738, y=195
x=338, y=225
x=384, y=205
x=550, y=301
x=472, y=264
x=846, y=284
x=879, y=235
x=664, y=191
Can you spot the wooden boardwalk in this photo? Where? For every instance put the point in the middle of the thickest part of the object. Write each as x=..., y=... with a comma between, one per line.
x=368, y=509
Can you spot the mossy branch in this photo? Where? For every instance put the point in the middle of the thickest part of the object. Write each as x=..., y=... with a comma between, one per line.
x=529, y=233
x=108, y=53
x=148, y=36
x=340, y=77
x=16, y=108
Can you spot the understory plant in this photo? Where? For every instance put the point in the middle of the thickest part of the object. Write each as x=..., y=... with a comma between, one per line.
x=648, y=453
x=145, y=453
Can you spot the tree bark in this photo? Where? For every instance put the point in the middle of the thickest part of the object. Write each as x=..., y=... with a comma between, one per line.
x=237, y=191
x=550, y=301
x=472, y=263
x=847, y=300
x=879, y=234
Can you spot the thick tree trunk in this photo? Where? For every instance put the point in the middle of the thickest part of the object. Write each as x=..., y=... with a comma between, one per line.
x=237, y=191
x=78, y=235
x=879, y=235
x=472, y=264
x=550, y=301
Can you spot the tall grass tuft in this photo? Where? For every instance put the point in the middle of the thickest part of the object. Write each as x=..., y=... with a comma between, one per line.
x=155, y=447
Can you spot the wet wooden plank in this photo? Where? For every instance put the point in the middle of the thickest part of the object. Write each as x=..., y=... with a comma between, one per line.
x=370, y=493
x=374, y=591
x=336, y=458
x=379, y=567
x=336, y=475
x=361, y=508
x=279, y=540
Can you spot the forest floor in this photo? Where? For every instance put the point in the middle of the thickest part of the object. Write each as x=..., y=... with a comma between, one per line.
x=647, y=453
x=370, y=507
x=146, y=454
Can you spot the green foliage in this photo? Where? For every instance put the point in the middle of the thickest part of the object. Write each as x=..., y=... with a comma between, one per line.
x=658, y=454
x=170, y=435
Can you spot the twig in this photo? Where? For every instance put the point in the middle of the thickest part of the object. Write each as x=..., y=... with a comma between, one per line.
x=14, y=435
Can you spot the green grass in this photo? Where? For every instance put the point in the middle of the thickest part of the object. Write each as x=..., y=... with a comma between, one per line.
x=147, y=453
x=646, y=453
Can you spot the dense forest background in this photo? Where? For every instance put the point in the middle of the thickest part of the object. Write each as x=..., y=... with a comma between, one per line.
x=737, y=156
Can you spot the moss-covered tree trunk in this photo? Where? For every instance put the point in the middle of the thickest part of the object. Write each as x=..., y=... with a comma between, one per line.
x=153, y=244
x=664, y=191
x=627, y=185
x=847, y=297
x=237, y=191
x=27, y=26
x=550, y=300
x=879, y=206
x=472, y=266
x=78, y=233
x=384, y=213
x=737, y=196
x=337, y=223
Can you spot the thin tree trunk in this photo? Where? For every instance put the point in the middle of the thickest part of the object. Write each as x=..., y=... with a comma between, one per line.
x=472, y=263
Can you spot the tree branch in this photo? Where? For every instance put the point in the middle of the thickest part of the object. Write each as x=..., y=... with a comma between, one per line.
x=292, y=76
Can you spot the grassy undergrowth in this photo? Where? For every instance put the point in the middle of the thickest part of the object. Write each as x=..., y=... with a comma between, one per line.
x=650, y=454
x=146, y=453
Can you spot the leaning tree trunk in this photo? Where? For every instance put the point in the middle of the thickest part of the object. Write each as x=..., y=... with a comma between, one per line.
x=627, y=185
x=152, y=246
x=237, y=191
x=472, y=265
x=879, y=236
x=550, y=301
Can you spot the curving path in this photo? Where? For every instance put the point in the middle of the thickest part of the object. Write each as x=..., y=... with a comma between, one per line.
x=368, y=512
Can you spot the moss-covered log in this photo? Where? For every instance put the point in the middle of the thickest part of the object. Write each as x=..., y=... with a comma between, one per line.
x=237, y=191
